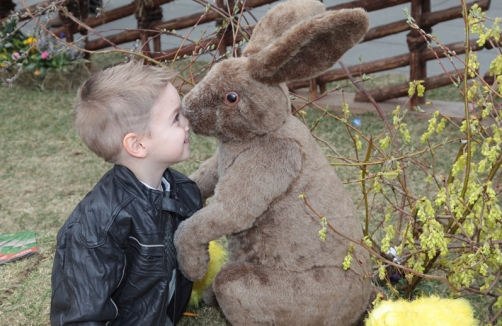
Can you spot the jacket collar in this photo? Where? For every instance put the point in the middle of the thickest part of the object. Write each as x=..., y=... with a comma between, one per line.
x=132, y=185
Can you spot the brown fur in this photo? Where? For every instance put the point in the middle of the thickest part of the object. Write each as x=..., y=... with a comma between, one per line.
x=279, y=271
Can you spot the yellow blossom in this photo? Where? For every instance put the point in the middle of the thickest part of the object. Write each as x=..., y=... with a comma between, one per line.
x=37, y=72
x=416, y=85
x=30, y=40
x=347, y=261
x=384, y=143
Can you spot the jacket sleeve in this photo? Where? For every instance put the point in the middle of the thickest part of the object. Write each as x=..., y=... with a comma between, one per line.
x=85, y=275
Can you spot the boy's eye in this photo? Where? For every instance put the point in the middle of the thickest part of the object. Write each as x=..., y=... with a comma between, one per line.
x=177, y=118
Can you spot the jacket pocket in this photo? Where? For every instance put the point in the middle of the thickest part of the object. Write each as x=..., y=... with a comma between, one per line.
x=140, y=296
x=146, y=259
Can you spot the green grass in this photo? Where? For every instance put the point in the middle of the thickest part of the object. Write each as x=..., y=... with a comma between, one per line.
x=45, y=170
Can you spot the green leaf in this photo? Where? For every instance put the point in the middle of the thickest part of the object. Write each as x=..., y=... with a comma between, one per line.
x=31, y=66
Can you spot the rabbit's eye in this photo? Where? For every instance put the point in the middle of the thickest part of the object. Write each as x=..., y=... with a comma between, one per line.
x=232, y=97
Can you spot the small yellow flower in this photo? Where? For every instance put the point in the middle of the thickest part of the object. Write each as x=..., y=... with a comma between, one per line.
x=37, y=72
x=30, y=40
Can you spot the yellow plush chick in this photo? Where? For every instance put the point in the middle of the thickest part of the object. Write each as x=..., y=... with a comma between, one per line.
x=432, y=311
x=217, y=257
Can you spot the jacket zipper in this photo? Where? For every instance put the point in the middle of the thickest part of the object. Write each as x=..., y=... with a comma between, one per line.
x=167, y=218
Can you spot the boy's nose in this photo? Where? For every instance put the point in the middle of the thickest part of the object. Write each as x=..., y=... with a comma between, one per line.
x=185, y=121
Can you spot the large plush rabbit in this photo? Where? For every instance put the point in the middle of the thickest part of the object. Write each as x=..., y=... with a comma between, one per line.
x=279, y=271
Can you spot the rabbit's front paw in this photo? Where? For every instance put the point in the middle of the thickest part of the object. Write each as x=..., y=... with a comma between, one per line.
x=193, y=257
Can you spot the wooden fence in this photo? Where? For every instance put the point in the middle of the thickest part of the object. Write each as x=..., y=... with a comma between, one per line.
x=150, y=25
x=417, y=57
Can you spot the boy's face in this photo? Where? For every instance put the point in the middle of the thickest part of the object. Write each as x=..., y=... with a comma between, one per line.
x=169, y=142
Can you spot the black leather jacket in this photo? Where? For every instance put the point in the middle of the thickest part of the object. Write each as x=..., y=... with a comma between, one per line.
x=112, y=265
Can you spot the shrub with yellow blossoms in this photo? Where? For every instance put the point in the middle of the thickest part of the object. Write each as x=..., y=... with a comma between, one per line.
x=435, y=228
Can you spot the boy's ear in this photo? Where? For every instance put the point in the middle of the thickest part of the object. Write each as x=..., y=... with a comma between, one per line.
x=133, y=146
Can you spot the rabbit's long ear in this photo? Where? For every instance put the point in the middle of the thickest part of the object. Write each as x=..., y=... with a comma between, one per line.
x=279, y=19
x=309, y=47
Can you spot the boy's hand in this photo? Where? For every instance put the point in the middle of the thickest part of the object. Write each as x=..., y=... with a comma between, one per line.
x=193, y=256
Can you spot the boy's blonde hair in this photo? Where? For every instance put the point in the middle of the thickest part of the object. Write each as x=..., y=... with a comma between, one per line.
x=115, y=102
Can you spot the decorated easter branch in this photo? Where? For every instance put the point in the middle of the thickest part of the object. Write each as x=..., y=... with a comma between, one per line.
x=367, y=244
x=446, y=230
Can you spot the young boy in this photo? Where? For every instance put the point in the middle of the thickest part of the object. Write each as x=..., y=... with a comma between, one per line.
x=115, y=262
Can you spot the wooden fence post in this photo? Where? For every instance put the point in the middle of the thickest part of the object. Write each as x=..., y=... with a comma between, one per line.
x=222, y=49
x=224, y=33
x=146, y=17
x=6, y=7
x=79, y=9
x=313, y=88
x=236, y=51
x=416, y=43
